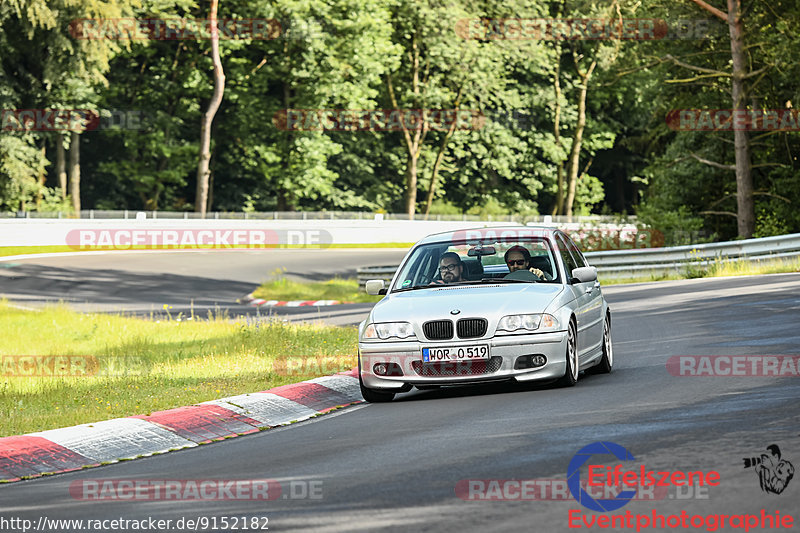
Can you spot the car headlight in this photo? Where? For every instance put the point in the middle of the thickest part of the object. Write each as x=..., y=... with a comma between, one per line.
x=388, y=330
x=523, y=323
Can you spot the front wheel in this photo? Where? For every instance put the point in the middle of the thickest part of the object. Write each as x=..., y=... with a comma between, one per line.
x=607, y=361
x=571, y=373
x=373, y=396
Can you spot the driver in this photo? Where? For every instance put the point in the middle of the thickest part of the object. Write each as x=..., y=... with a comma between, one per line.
x=519, y=258
x=450, y=268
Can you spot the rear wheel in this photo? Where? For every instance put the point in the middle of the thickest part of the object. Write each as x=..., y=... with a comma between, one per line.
x=374, y=396
x=607, y=361
x=571, y=373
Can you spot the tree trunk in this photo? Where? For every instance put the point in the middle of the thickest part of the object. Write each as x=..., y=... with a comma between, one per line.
x=745, y=212
x=42, y=177
x=61, y=166
x=411, y=184
x=201, y=196
x=745, y=207
x=440, y=154
x=413, y=144
x=210, y=192
x=436, y=165
x=75, y=172
x=282, y=203
x=558, y=208
x=577, y=139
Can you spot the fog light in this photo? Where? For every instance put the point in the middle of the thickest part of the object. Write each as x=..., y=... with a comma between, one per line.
x=529, y=361
x=387, y=369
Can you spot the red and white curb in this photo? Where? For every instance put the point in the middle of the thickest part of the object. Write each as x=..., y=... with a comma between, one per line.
x=260, y=302
x=73, y=448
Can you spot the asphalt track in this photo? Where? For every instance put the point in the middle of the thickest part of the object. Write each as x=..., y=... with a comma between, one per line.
x=395, y=467
x=198, y=282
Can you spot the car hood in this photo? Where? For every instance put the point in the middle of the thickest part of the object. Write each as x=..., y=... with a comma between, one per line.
x=471, y=300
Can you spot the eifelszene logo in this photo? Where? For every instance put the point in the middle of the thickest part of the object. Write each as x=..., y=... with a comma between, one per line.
x=574, y=476
x=774, y=473
x=601, y=475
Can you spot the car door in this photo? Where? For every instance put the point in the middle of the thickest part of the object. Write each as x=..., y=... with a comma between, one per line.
x=587, y=299
x=595, y=302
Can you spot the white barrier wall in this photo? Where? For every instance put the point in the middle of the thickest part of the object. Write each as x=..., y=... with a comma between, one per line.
x=120, y=233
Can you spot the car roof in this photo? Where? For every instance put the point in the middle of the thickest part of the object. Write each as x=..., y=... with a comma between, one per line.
x=459, y=234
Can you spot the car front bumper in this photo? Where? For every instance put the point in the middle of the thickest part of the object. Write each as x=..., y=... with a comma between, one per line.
x=408, y=356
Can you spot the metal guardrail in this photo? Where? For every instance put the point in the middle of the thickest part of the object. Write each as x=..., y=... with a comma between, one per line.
x=646, y=261
x=623, y=263
x=386, y=273
x=310, y=215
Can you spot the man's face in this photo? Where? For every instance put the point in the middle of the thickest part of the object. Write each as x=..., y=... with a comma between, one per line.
x=450, y=270
x=516, y=261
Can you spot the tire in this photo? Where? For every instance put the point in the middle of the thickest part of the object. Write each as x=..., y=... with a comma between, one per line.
x=374, y=396
x=570, y=377
x=607, y=361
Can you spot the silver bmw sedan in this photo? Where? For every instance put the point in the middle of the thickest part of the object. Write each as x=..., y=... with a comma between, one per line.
x=483, y=305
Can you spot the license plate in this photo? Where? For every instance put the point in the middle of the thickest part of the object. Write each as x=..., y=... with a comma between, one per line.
x=479, y=352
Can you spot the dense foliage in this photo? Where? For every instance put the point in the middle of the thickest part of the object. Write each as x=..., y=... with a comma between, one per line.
x=549, y=115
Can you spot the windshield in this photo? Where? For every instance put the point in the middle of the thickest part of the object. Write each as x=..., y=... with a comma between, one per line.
x=522, y=260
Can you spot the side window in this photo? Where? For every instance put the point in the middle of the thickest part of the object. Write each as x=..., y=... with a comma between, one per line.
x=576, y=253
x=566, y=256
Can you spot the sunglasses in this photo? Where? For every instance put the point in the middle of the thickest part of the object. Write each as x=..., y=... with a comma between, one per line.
x=519, y=262
x=448, y=268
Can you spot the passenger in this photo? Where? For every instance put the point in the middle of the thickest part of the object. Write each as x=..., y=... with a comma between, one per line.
x=519, y=258
x=450, y=268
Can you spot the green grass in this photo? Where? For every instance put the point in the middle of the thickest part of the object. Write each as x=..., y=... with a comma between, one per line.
x=147, y=365
x=747, y=268
x=344, y=290
x=21, y=250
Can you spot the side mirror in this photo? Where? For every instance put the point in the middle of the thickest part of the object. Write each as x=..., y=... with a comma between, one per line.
x=585, y=274
x=375, y=287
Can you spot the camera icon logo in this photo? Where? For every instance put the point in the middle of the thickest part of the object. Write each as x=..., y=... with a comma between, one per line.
x=774, y=473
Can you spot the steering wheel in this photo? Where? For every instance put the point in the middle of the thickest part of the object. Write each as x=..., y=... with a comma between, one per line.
x=523, y=275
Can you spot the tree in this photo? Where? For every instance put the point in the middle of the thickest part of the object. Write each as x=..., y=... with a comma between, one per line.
x=745, y=212
x=442, y=71
x=689, y=171
x=58, y=72
x=203, y=172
